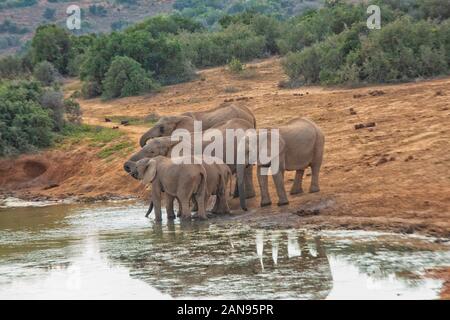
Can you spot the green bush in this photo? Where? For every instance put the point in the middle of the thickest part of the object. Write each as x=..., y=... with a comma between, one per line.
x=12, y=67
x=52, y=100
x=217, y=48
x=72, y=111
x=53, y=44
x=126, y=77
x=46, y=73
x=24, y=124
x=235, y=66
x=400, y=51
x=91, y=89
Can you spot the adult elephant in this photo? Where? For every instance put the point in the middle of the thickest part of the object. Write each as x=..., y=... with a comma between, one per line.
x=210, y=118
x=301, y=145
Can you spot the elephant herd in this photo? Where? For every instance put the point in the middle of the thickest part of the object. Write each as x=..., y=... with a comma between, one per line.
x=193, y=179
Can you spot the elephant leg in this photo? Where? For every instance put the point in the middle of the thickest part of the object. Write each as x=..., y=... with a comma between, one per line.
x=169, y=207
x=297, y=185
x=315, y=169
x=236, y=190
x=194, y=205
x=185, y=209
x=200, y=197
x=179, y=208
x=221, y=205
x=263, y=185
x=157, y=203
x=278, y=179
x=249, y=188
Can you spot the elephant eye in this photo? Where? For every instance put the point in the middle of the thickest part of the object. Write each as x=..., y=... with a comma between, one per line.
x=161, y=129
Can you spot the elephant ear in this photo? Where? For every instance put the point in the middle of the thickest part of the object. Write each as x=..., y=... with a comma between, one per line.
x=184, y=122
x=150, y=172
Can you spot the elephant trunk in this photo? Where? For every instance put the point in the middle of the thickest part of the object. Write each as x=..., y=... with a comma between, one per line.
x=240, y=173
x=148, y=135
x=150, y=208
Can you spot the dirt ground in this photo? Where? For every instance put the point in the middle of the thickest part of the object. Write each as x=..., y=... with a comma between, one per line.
x=394, y=176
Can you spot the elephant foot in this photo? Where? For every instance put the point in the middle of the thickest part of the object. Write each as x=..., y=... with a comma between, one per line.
x=158, y=219
x=222, y=212
x=171, y=216
x=314, y=189
x=297, y=191
x=283, y=203
x=201, y=217
x=266, y=204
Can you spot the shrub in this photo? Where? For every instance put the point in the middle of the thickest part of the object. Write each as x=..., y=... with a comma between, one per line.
x=235, y=66
x=12, y=67
x=46, y=73
x=125, y=77
x=52, y=100
x=24, y=124
x=400, y=51
x=72, y=111
x=91, y=89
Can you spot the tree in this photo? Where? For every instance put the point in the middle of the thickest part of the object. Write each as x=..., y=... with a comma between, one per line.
x=46, y=73
x=125, y=77
x=53, y=44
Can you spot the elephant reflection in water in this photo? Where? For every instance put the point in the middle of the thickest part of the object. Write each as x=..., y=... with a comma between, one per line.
x=234, y=262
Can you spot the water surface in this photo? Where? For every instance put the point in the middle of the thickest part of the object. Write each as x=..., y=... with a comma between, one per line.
x=112, y=251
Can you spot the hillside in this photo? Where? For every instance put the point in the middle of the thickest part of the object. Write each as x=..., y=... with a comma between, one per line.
x=117, y=14
x=394, y=176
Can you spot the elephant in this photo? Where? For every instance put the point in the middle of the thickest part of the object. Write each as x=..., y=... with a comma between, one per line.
x=178, y=180
x=301, y=145
x=218, y=174
x=162, y=146
x=168, y=124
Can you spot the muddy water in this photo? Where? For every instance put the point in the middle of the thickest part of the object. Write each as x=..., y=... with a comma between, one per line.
x=112, y=251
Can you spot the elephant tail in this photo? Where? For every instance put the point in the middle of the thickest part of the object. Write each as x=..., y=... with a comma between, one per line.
x=150, y=208
x=202, y=186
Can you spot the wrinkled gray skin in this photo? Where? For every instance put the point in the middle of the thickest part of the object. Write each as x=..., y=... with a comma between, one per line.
x=180, y=181
x=162, y=146
x=217, y=177
x=168, y=124
x=301, y=146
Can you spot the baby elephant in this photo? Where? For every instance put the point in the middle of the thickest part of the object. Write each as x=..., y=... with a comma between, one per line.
x=180, y=181
x=218, y=176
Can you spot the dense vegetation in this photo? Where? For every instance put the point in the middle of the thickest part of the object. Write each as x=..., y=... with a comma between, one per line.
x=329, y=45
x=31, y=115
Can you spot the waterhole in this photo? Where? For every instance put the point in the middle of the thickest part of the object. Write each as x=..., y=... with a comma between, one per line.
x=112, y=251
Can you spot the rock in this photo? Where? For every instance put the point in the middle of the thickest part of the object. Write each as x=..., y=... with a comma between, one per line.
x=439, y=93
x=382, y=161
x=125, y=122
x=107, y=120
x=376, y=93
x=409, y=158
x=352, y=111
x=356, y=96
x=366, y=125
x=51, y=186
x=115, y=127
x=307, y=212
